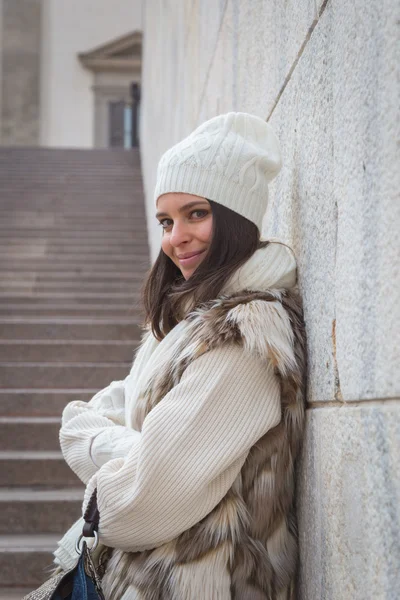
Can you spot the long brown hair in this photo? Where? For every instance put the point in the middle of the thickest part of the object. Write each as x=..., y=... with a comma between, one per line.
x=166, y=293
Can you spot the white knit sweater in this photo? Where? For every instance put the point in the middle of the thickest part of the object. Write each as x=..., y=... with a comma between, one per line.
x=154, y=484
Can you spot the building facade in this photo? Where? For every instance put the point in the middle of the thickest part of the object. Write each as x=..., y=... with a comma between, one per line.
x=70, y=73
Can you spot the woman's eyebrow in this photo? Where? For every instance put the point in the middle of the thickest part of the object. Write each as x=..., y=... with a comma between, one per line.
x=183, y=208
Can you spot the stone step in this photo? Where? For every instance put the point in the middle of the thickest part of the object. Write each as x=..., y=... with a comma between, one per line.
x=13, y=593
x=45, y=266
x=75, y=287
x=111, y=351
x=94, y=257
x=26, y=559
x=21, y=199
x=73, y=252
x=90, y=260
x=129, y=274
x=40, y=403
x=90, y=216
x=59, y=222
x=69, y=310
x=28, y=511
x=97, y=259
x=65, y=179
x=69, y=328
x=60, y=216
x=78, y=298
x=39, y=469
x=66, y=375
x=73, y=234
x=56, y=215
x=36, y=434
x=39, y=276
x=71, y=243
x=71, y=187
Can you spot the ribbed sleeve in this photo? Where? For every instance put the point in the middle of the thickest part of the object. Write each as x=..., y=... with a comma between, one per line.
x=94, y=432
x=191, y=448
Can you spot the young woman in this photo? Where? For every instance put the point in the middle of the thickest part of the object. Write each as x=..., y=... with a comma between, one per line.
x=193, y=454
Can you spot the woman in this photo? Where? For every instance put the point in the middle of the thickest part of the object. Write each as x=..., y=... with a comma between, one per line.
x=193, y=453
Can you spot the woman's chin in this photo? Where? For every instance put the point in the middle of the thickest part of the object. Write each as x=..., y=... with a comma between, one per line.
x=187, y=273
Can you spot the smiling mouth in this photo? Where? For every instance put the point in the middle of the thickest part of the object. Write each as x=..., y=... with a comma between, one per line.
x=189, y=255
x=188, y=259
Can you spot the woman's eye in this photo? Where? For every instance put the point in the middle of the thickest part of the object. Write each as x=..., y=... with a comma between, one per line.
x=194, y=214
x=164, y=223
x=199, y=212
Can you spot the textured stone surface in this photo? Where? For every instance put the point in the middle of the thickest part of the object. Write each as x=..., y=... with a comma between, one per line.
x=14, y=593
x=44, y=403
x=64, y=351
x=36, y=469
x=34, y=562
x=29, y=434
x=26, y=511
x=349, y=491
x=336, y=200
x=20, y=72
x=69, y=328
x=257, y=45
x=65, y=375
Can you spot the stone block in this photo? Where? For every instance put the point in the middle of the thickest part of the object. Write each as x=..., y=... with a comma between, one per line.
x=26, y=560
x=20, y=72
x=35, y=469
x=39, y=403
x=65, y=351
x=336, y=199
x=69, y=329
x=348, y=503
x=258, y=44
x=69, y=310
x=26, y=511
x=65, y=375
x=33, y=434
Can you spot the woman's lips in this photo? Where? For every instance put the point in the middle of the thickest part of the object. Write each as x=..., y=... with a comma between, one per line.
x=191, y=259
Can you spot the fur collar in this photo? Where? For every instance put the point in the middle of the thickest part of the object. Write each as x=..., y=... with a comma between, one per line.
x=273, y=266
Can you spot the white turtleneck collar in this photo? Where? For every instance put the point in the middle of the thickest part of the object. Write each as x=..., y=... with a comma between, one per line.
x=271, y=267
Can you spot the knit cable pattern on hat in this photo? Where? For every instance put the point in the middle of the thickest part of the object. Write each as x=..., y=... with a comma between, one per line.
x=229, y=159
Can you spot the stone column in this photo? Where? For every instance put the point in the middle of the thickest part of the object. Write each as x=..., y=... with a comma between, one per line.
x=20, y=50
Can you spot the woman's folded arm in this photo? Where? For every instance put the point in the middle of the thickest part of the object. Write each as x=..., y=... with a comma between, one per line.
x=192, y=446
x=94, y=432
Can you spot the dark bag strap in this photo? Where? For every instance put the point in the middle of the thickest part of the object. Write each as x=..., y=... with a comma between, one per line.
x=91, y=517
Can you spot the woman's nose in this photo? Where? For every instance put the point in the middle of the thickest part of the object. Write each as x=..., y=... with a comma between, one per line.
x=179, y=234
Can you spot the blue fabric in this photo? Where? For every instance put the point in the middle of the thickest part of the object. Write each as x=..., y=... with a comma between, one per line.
x=82, y=588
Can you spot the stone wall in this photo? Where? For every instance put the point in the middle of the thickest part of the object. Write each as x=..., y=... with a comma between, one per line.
x=20, y=72
x=325, y=75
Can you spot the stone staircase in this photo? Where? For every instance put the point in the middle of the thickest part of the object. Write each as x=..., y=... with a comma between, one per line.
x=73, y=257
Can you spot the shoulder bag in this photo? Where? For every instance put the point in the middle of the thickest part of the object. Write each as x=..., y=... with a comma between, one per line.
x=83, y=581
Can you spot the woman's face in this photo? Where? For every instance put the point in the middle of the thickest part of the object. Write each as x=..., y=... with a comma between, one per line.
x=187, y=227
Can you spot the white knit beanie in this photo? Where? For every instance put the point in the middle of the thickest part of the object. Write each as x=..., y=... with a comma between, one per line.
x=229, y=159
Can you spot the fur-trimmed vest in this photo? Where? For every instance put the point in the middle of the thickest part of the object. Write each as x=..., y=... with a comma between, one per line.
x=250, y=536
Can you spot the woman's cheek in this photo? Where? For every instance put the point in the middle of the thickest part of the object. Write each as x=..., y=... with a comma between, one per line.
x=206, y=230
x=165, y=245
